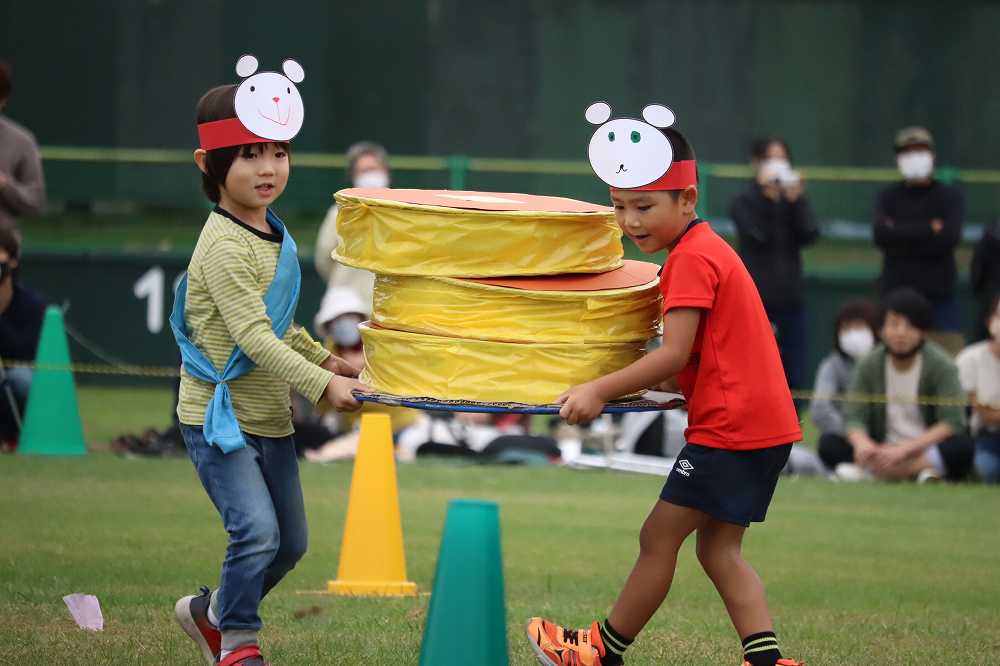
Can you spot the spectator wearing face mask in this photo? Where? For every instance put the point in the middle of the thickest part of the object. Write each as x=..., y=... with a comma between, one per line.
x=918, y=224
x=21, y=314
x=854, y=336
x=367, y=166
x=774, y=221
x=985, y=276
x=979, y=372
x=912, y=423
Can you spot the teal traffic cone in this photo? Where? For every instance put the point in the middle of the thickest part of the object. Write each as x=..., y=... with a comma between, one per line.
x=52, y=418
x=467, y=621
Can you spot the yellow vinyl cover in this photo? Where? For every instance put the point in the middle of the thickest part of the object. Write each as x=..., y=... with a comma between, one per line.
x=412, y=364
x=462, y=308
x=403, y=238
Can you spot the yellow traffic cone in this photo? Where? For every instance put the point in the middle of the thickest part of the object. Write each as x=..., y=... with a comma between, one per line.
x=372, y=561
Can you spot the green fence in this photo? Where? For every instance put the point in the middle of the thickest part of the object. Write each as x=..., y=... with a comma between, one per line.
x=150, y=177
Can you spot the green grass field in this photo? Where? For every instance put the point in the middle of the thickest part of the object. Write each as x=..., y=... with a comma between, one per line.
x=887, y=574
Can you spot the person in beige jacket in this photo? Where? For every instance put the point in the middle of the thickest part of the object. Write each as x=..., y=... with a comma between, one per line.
x=367, y=166
x=22, y=185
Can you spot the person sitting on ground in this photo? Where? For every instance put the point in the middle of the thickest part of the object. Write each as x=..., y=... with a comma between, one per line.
x=854, y=335
x=21, y=314
x=979, y=372
x=919, y=432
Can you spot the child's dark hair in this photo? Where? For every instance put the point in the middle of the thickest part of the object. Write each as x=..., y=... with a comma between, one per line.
x=758, y=149
x=10, y=240
x=858, y=310
x=682, y=151
x=994, y=304
x=911, y=304
x=219, y=103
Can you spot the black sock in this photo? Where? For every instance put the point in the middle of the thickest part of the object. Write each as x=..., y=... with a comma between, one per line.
x=761, y=649
x=614, y=644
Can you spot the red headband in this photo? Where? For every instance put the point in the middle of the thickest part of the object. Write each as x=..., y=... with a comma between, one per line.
x=226, y=133
x=680, y=175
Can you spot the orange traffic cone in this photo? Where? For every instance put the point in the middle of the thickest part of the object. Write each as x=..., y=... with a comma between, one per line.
x=372, y=560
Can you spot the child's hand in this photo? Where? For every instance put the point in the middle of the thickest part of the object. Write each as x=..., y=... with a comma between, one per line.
x=580, y=404
x=339, y=366
x=339, y=393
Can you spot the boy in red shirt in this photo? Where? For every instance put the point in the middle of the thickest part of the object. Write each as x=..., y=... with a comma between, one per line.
x=719, y=350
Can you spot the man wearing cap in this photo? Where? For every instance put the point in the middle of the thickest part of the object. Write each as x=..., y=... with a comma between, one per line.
x=918, y=224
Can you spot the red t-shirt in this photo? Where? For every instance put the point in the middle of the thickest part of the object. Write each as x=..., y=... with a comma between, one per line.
x=735, y=385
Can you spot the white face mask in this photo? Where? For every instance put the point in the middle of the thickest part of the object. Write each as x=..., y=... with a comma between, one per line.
x=916, y=164
x=995, y=328
x=775, y=168
x=374, y=178
x=856, y=342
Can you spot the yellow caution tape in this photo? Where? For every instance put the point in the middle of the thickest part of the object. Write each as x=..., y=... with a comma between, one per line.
x=399, y=238
x=172, y=373
x=462, y=308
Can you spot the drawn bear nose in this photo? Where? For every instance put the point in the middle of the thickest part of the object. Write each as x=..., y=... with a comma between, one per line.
x=275, y=99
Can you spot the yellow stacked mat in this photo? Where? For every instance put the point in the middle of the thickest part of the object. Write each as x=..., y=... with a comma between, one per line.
x=436, y=333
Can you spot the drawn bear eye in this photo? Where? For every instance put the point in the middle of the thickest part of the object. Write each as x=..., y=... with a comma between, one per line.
x=635, y=137
x=611, y=136
x=252, y=89
x=289, y=90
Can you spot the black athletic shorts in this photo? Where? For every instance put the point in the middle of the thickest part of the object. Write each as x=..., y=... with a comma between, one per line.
x=731, y=486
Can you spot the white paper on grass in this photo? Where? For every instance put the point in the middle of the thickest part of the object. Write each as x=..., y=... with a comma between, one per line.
x=628, y=152
x=86, y=611
x=268, y=103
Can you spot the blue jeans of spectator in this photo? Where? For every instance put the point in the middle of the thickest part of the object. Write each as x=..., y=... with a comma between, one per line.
x=988, y=456
x=257, y=492
x=14, y=391
x=790, y=329
x=947, y=315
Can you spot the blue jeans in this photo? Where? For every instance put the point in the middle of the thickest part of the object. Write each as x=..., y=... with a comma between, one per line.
x=790, y=329
x=988, y=456
x=257, y=492
x=947, y=315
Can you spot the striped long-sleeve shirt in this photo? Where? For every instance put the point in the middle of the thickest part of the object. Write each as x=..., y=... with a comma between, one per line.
x=229, y=274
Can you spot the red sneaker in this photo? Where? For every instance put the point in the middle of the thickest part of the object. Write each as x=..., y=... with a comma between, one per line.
x=192, y=614
x=782, y=662
x=248, y=655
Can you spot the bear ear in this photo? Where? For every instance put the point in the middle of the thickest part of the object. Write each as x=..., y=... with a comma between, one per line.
x=293, y=71
x=658, y=115
x=598, y=113
x=246, y=65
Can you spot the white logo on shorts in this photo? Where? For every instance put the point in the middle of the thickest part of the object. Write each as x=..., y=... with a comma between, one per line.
x=684, y=467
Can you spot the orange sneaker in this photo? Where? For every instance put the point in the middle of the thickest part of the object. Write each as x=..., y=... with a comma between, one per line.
x=782, y=662
x=556, y=646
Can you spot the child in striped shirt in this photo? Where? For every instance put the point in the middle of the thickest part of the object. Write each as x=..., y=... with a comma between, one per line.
x=234, y=311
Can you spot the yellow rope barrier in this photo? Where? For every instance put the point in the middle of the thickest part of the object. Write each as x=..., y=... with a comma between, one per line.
x=103, y=369
x=492, y=164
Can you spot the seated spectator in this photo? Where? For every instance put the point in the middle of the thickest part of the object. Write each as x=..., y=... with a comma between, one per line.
x=985, y=276
x=853, y=338
x=920, y=431
x=774, y=221
x=979, y=372
x=21, y=315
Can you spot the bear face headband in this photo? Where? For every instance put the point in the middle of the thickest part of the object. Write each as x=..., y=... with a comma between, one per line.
x=633, y=154
x=268, y=108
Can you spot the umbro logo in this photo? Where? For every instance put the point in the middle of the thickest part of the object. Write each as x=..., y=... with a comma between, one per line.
x=684, y=467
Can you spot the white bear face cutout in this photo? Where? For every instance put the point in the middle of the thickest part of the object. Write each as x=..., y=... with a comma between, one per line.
x=627, y=152
x=268, y=103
